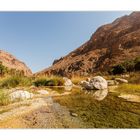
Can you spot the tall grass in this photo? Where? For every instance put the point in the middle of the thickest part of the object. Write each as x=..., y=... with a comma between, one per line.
x=14, y=81
x=77, y=79
x=4, y=98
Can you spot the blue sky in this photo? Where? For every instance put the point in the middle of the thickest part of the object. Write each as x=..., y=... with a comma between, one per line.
x=38, y=38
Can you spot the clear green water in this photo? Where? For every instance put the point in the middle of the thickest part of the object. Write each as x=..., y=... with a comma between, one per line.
x=105, y=111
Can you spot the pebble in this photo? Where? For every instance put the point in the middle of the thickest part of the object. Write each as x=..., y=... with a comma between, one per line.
x=74, y=114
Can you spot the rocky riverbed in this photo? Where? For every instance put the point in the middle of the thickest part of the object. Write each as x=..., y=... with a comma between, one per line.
x=73, y=108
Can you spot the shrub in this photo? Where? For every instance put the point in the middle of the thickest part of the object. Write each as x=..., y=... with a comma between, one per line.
x=118, y=69
x=137, y=64
x=14, y=81
x=129, y=65
x=51, y=81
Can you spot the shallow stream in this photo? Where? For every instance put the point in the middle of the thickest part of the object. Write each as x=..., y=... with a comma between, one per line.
x=100, y=109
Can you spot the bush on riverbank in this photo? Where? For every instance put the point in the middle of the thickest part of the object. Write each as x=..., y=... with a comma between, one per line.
x=14, y=81
x=127, y=66
x=49, y=81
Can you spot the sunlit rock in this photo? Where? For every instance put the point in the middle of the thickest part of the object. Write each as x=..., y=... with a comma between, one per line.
x=21, y=94
x=96, y=82
x=120, y=80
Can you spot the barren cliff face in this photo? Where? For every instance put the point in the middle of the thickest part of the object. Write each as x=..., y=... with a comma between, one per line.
x=111, y=44
x=12, y=63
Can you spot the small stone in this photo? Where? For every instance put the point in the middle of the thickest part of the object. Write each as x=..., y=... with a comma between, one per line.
x=74, y=114
x=120, y=80
x=43, y=91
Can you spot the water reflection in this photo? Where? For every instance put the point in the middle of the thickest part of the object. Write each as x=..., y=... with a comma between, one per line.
x=98, y=94
x=68, y=88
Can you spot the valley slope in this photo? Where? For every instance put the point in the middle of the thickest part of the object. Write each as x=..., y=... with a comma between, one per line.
x=110, y=45
x=11, y=62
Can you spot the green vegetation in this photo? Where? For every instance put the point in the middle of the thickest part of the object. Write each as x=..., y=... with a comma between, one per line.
x=112, y=112
x=4, y=98
x=14, y=81
x=127, y=66
x=3, y=69
x=118, y=69
x=129, y=88
x=49, y=81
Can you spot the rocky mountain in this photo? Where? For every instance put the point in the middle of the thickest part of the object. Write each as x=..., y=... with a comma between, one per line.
x=11, y=62
x=111, y=44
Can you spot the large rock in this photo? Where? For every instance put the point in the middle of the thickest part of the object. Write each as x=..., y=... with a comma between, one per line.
x=68, y=82
x=21, y=95
x=120, y=80
x=97, y=82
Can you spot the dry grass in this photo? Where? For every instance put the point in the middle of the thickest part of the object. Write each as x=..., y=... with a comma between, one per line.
x=135, y=78
x=129, y=88
x=4, y=98
x=77, y=79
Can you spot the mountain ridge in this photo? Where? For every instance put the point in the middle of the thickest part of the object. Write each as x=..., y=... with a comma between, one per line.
x=12, y=62
x=110, y=44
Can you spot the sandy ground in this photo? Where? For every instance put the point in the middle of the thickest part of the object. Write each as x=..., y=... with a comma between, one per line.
x=37, y=113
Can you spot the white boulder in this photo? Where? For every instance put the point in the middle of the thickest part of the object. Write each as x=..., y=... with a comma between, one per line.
x=96, y=82
x=21, y=94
